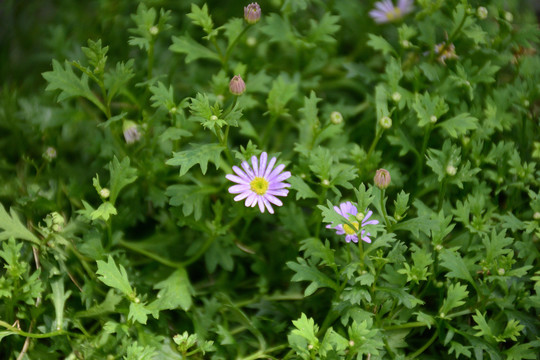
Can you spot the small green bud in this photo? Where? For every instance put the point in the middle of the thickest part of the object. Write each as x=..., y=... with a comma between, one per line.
x=154, y=30
x=336, y=117
x=385, y=122
x=406, y=44
x=501, y=272
x=104, y=193
x=49, y=154
x=213, y=118
x=251, y=41
x=396, y=96
x=325, y=182
x=433, y=119
x=451, y=170
x=536, y=215
x=482, y=12
x=508, y=16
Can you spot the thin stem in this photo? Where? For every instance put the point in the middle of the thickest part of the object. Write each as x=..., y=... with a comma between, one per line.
x=232, y=45
x=378, y=135
x=423, y=151
x=423, y=348
x=268, y=130
x=264, y=353
x=405, y=326
x=150, y=254
x=200, y=252
x=383, y=208
x=36, y=336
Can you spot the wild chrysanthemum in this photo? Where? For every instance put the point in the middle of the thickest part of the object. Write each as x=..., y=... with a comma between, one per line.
x=349, y=211
x=260, y=184
x=385, y=11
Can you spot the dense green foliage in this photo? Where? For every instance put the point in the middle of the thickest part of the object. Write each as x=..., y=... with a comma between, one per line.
x=119, y=238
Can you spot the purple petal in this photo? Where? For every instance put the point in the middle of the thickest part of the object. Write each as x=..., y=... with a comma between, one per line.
x=370, y=222
x=338, y=210
x=278, y=185
x=261, y=203
x=252, y=197
x=283, y=176
x=273, y=199
x=275, y=172
x=262, y=165
x=240, y=173
x=248, y=170
x=368, y=215
x=242, y=196
x=255, y=164
x=282, y=192
x=237, y=189
x=268, y=206
x=236, y=179
x=269, y=167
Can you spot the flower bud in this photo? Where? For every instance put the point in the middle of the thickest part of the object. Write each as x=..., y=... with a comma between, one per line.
x=154, y=30
x=396, y=96
x=351, y=343
x=325, y=182
x=501, y=271
x=385, y=122
x=382, y=179
x=508, y=16
x=237, y=86
x=536, y=215
x=336, y=117
x=451, y=170
x=131, y=132
x=252, y=13
x=433, y=119
x=104, y=193
x=406, y=44
x=482, y=12
x=213, y=118
x=251, y=41
x=49, y=154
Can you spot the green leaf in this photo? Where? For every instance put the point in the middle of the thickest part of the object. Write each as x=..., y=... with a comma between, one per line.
x=400, y=205
x=13, y=227
x=306, y=328
x=59, y=297
x=116, y=79
x=162, y=97
x=114, y=276
x=364, y=197
x=303, y=191
x=452, y=261
x=174, y=292
x=482, y=326
x=459, y=125
x=199, y=16
x=104, y=211
x=138, y=312
x=96, y=55
x=323, y=31
x=421, y=223
x=278, y=29
x=429, y=108
x=379, y=43
x=280, y=94
x=107, y=306
x=193, y=50
x=306, y=272
x=455, y=295
x=121, y=175
x=190, y=197
x=198, y=154
x=136, y=352
x=233, y=28
x=403, y=296
x=313, y=248
x=69, y=84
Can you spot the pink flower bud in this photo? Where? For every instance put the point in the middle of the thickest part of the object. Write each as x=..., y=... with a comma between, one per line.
x=252, y=13
x=237, y=86
x=382, y=179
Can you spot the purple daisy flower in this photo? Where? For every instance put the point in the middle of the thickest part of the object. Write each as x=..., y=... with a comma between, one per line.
x=385, y=11
x=349, y=211
x=260, y=184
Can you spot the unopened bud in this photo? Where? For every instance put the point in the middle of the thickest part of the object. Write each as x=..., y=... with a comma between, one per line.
x=237, y=86
x=433, y=119
x=438, y=247
x=482, y=12
x=213, y=118
x=173, y=110
x=131, y=132
x=360, y=216
x=252, y=13
x=154, y=30
x=385, y=122
x=104, y=193
x=451, y=170
x=351, y=343
x=526, y=103
x=310, y=347
x=336, y=117
x=536, y=215
x=406, y=44
x=382, y=179
x=396, y=96
x=50, y=153
x=501, y=271
x=508, y=16
x=325, y=182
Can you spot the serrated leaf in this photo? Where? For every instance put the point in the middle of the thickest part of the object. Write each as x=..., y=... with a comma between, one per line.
x=306, y=328
x=104, y=211
x=114, y=276
x=13, y=227
x=107, y=306
x=305, y=272
x=186, y=45
x=452, y=261
x=379, y=43
x=459, y=124
x=403, y=296
x=455, y=295
x=69, y=84
x=303, y=191
x=174, y=292
x=190, y=197
x=138, y=312
x=323, y=30
x=280, y=94
x=161, y=96
x=198, y=154
x=121, y=175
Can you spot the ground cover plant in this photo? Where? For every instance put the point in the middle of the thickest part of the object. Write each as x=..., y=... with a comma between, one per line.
x=293, y=179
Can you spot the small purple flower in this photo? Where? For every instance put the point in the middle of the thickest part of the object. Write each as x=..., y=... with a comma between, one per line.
x=131, y=132
x=385, y=11
x=252, y=13
x=349, y=211
x=445, y=51
x=260, y=184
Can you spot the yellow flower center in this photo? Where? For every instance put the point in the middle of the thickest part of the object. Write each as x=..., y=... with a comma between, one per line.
x=350, y=231
x=259, y=185
x=393, y=15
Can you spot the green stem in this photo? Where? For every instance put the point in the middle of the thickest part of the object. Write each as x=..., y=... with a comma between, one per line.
x=36, y=336
x=378, y=135
x=423, y=348
x=200, y=252
x=150, y=254
x=150, y=59
x=264, y=353
x=405, y=326
x=332, y=315
x=218, y=49
x=232, y=45
x=268, y=130
x=385, y=215
x=423, y=152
